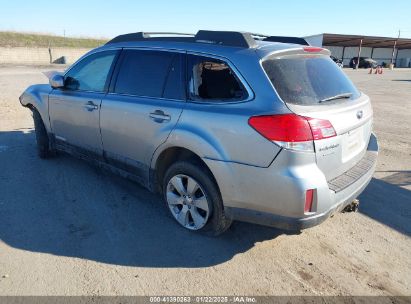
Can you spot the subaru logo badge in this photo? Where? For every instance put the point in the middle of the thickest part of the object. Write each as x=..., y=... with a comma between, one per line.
x=359, y=114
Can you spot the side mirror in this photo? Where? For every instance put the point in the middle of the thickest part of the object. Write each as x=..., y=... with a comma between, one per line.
x=57, y=81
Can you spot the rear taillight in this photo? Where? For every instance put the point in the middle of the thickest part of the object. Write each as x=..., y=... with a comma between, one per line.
x=292, y=131
x=309, y=195
x=321, y=128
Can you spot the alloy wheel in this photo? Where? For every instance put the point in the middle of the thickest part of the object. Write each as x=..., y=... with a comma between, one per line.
x=187, y=202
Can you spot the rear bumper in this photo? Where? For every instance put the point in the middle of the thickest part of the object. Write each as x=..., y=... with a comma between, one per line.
x=289, y=223
x=339, y=193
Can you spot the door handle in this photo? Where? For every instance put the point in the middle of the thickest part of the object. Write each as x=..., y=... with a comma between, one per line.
x=159, y=116
x=90, y=106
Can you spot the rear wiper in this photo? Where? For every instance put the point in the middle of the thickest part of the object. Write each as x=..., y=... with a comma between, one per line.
x=339, y=96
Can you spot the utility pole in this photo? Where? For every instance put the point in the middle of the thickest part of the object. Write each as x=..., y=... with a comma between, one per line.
x=50, y=54
x=393, y=48
x=359, y=54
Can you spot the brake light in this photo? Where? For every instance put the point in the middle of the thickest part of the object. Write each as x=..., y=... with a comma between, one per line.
x=309, y=195
x=292, y=131
x=312, y=49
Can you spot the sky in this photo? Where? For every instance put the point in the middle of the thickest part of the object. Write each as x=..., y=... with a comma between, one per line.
x=108, y=18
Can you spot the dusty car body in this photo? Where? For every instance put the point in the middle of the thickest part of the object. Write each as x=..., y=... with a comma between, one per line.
x=224, y=125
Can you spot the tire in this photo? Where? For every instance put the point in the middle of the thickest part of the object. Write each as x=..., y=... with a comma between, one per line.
x=43, y=144
x=215, y=223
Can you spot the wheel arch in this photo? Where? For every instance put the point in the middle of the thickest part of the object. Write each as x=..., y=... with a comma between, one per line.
x=36, y=98
x=170, y=155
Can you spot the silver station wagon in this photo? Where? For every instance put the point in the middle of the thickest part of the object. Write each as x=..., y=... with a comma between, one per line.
x=224, y=125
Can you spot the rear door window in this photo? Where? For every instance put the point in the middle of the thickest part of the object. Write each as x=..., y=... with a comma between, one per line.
x=151, y=74
x=309, y=80
x=212, y=80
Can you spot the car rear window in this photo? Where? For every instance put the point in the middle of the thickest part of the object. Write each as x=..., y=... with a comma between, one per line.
x=308, y=80
x=212, y=80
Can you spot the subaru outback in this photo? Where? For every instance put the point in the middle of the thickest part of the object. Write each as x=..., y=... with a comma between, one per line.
x=224, y=125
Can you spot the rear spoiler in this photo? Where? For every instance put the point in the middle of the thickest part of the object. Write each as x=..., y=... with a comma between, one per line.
x=280, y=39
x=298, y=51
x=284, y=39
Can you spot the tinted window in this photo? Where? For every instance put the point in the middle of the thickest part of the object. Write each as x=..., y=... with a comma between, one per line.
x=91, y=73
x=174, y=86
x=308, y=80
x=212, y=79
x=151, y=73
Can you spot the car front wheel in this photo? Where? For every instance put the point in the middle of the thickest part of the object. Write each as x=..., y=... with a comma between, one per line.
x=42, y=139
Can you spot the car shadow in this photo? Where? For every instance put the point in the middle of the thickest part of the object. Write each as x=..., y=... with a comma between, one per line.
x=63, y=206
x=386, y=201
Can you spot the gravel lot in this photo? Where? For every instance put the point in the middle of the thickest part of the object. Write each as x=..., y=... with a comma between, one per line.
x=67, y=228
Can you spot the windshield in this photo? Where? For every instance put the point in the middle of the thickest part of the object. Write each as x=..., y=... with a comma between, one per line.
x=309, y=80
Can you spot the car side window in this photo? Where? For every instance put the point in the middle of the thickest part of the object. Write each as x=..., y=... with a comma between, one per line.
x=91, y=73
x=151, y=74
x=212, y=80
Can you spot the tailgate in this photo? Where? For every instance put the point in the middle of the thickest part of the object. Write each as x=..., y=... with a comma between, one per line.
x=352, y=122
x=312, y=85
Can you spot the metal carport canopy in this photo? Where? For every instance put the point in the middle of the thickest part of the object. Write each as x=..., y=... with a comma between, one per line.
x=367, y=41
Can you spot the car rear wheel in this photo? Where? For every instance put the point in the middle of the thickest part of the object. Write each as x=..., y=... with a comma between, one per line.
x=193, y=199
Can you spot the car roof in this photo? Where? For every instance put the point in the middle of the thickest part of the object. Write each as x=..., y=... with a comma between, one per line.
x=261, y=49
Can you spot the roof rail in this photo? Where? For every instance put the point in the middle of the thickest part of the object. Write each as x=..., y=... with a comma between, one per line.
x=260, y=37
x=226, y=38
x=158, y=36
x=240, y=39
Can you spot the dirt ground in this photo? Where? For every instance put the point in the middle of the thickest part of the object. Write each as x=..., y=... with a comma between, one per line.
x=67, y=228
